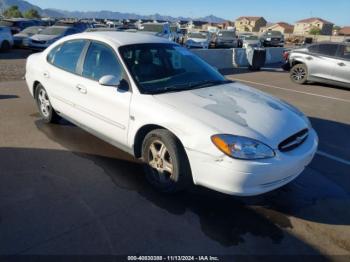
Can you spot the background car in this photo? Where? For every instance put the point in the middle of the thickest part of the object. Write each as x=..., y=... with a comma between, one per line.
x=272, y=38
x=18, y=24
x=25, y=34
x=250, y=40
x=48, y=36
x=326, y=62
x=198, y=40
x=226, y=39
x=6, y=39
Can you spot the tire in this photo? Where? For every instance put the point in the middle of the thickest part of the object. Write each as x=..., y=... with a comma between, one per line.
x=166, y=164
x=5, y=45
x=46, y=110
x=299, y=74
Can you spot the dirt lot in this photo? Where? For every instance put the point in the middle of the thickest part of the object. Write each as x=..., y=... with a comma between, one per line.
x=63, y=191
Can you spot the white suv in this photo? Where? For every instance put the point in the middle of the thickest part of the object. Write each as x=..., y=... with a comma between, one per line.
x=6, y=39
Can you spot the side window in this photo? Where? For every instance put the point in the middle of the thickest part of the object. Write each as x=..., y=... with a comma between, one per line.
x=328, y=49
x=66, y=56
x=344, y=52
x=313, y=48
x=100, y=61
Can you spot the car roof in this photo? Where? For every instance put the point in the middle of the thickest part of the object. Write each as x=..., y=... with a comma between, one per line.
x=121, y=38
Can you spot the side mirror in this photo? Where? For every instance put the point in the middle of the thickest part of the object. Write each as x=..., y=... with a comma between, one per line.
x=109, y=80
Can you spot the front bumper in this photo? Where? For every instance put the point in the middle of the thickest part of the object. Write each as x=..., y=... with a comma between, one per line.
x=248, y=178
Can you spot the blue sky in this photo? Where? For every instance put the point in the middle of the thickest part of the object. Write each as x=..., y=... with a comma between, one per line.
x=337, y=11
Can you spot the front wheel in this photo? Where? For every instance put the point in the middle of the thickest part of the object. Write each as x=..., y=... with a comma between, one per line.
x=298, y=74
x=166, y=164
x=46, y=110
x=5, y=46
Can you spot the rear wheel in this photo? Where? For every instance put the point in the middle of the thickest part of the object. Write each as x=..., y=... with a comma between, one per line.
x=46, y=110
x=166, y=164
x=298, y=74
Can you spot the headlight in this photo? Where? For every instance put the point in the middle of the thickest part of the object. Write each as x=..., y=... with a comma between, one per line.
x=242, y=147
x=268, y=39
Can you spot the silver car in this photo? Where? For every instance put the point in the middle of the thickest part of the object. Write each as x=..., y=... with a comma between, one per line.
x=325, y=62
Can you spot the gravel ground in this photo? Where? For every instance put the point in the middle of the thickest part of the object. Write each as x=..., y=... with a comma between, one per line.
x=12, y=64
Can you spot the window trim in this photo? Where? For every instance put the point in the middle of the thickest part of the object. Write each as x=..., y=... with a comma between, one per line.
x=60, y=45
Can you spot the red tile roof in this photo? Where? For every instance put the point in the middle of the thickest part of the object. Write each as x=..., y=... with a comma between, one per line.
x=344, y=31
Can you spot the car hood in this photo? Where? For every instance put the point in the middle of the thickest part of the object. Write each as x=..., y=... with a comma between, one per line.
x=251, y=41
x=44, y=37
x=18, y=36
x=240, y=110
x=197, y=40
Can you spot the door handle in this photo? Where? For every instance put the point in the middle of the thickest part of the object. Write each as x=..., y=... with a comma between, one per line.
x=81, y=89
x=341, y=64
x=309, y=58
x=46, y=74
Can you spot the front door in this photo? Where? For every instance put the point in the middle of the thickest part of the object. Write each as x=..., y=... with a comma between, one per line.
x=105, y=108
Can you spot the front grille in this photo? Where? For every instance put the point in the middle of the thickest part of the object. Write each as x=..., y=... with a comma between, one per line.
x=293, y=141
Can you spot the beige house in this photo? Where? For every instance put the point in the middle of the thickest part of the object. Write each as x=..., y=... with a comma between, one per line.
x=250, y=23
x=282, y=27
x=304, y=26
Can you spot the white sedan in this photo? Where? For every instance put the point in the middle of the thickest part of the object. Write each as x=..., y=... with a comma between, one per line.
x=159, y=102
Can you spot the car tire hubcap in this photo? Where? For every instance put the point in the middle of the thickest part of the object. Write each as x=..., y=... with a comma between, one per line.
x=298, y=73
x=160, y=161
x=44, y=103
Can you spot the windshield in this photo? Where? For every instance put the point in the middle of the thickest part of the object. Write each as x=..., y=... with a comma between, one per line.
x=198, y=35
x=226, y=33
x=160, y=68
x=31, y=30
x=275, y=33
x=152, y=28
x=251, y=37
x=53, y=31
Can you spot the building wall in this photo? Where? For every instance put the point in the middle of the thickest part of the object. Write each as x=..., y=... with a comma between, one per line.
x=304, y=28
x=246, y=25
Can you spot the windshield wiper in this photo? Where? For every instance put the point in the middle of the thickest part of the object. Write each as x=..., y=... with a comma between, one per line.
x=189, y=86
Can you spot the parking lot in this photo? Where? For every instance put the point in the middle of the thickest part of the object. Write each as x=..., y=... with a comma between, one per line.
x=63, y=191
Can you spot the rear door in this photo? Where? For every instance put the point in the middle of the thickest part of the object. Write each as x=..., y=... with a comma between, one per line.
x=341, y=71
x=59, y=76
x=322, y=60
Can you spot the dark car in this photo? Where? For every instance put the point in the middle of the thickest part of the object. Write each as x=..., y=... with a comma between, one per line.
x=272, y=38
x=19, y=24
x=226, y=38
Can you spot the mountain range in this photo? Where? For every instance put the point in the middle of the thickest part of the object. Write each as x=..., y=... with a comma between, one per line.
x=25, y=5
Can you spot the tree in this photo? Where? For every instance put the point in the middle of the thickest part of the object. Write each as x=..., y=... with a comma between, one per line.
x=315, y=31
x=31, y=13
x=12, y=12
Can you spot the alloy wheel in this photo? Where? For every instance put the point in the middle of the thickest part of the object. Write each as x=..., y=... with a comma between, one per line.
x=44, y=103
x=160, y=161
